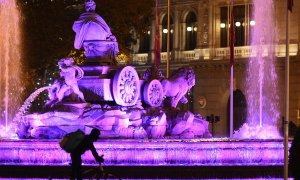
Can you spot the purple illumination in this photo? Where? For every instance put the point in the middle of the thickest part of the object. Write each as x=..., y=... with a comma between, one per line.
x=200, y=152
x=262, y=96
x=82, y=97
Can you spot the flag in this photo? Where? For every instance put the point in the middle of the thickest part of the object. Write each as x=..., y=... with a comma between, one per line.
x=290, y=5
x=157, y=38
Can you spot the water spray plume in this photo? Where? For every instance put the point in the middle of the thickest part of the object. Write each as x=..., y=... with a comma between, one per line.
x=10, y=65
x=262, y=93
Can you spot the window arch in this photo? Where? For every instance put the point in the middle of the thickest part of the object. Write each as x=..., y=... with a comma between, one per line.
x=191, y=31
x=164, y=33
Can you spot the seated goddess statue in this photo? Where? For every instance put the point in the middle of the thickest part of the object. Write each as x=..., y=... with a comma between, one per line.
x=93, y=33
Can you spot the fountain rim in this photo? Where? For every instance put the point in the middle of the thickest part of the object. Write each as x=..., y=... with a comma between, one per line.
x=196, y=140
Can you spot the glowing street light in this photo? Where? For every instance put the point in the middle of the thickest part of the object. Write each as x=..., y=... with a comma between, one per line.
x=237, y=24
x=189, y=28
x=222, y=25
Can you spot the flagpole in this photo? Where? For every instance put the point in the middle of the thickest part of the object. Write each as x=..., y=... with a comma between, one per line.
x=168, y=41
x=231, y=67
x=157, y=38
x=287, y=87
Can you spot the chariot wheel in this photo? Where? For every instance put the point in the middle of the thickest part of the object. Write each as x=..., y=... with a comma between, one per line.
x=153, y=93
x=126, y=86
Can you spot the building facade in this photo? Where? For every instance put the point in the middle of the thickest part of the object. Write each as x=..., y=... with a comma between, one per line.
x=199, y=37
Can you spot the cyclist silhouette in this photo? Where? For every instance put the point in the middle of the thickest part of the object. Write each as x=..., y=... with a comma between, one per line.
x=86, y=144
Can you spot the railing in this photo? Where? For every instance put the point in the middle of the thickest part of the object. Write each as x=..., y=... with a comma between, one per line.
x=221, y=53
x=240, y=52
x=140, y=59
x=163, y=57
x=188, y=55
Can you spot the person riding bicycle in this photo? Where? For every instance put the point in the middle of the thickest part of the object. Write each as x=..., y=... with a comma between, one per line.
x=86, y=144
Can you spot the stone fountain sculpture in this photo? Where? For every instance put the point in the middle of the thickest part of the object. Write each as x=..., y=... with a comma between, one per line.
x=111, y=98
x=178, y=85
x=67, y=82
x=93, y=33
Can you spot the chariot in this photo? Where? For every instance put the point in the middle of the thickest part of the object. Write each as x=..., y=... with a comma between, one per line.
x=121, y=85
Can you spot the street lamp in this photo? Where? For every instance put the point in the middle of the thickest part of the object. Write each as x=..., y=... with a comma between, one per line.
x=222, y=25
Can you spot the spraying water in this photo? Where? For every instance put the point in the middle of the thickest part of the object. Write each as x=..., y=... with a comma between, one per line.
x=10, y=66
x=262, y=96
x=27, y=103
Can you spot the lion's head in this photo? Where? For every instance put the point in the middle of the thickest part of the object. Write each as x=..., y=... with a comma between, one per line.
x=187, y=73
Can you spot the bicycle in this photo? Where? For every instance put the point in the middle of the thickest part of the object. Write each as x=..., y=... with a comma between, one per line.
x=99, y=173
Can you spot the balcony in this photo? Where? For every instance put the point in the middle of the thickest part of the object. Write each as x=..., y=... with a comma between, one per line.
x=139, y=59
x=220, y=53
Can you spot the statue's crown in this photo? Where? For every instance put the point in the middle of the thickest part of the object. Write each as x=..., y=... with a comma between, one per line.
x=90, y=5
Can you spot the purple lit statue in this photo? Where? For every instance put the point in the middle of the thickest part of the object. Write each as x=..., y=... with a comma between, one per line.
x=68, y=81
x=68, y=73
x=94, y=34
x=178, y=85
x=115, y=99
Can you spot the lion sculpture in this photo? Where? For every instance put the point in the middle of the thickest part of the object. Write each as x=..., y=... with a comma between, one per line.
x=178, y=85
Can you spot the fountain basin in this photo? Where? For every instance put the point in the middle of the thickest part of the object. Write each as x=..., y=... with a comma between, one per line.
x=162, y=152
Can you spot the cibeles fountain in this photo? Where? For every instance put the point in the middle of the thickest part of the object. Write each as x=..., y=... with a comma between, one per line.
x=138, y=116
x=100, y=94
